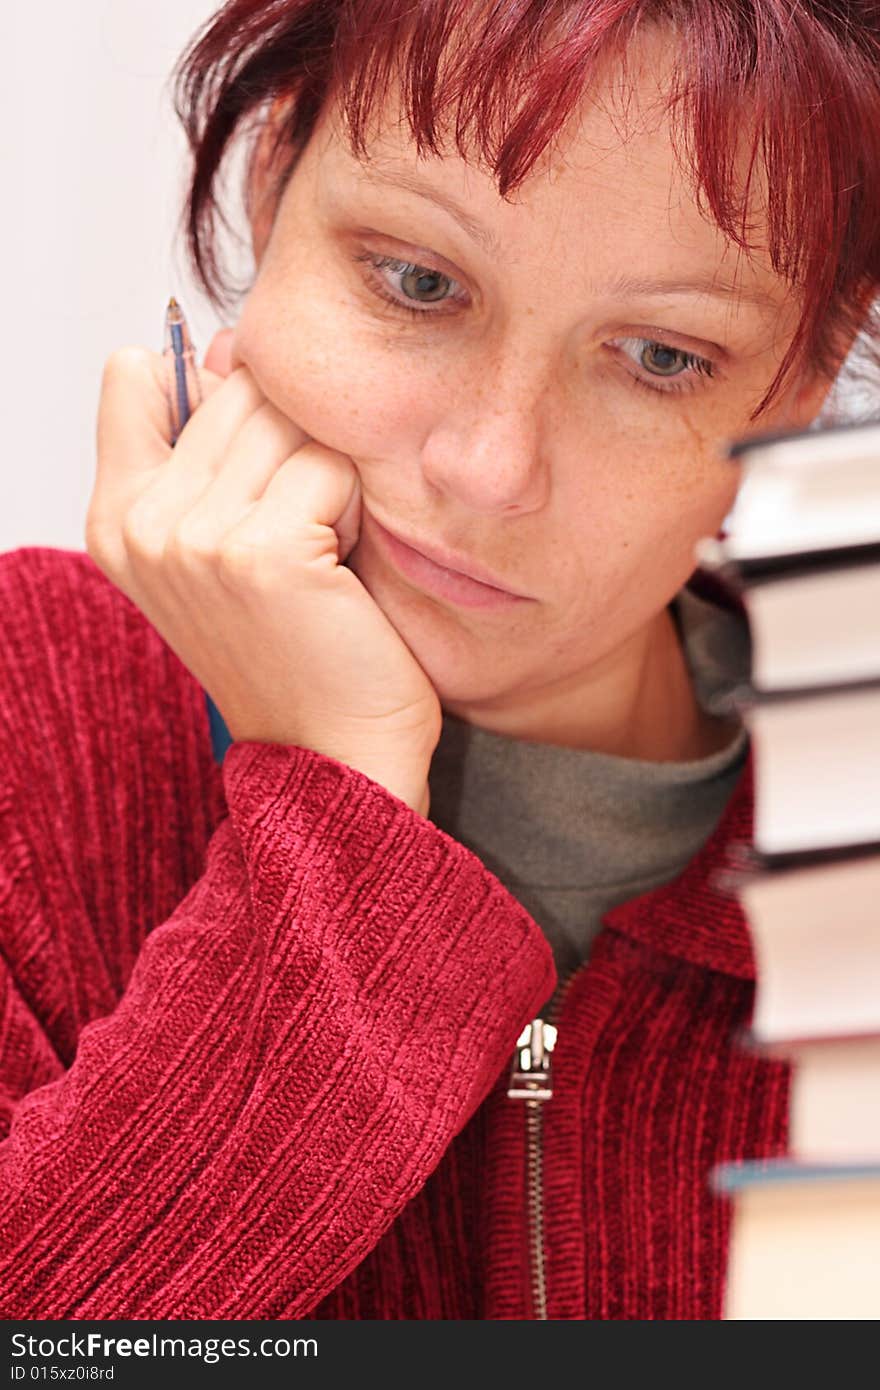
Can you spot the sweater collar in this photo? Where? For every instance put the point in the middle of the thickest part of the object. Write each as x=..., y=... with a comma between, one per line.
x=689, y=917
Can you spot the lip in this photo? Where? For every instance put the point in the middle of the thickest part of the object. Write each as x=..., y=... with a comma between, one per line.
x=446, y=579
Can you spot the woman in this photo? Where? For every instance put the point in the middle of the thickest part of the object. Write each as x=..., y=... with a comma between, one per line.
x=260, y=1021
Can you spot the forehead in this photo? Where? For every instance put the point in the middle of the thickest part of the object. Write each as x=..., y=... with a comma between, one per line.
x=609, y=190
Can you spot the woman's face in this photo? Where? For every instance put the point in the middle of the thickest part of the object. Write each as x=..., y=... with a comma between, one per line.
x=544, y=394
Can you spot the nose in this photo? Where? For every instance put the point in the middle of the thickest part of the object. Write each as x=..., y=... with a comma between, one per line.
x=488, y=448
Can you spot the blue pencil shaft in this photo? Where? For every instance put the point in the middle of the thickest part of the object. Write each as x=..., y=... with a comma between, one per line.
x=183, y=408
x=179, y=344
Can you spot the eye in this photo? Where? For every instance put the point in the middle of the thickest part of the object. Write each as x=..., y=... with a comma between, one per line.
x=664, y=360
x=417, y=283
x=661, y=361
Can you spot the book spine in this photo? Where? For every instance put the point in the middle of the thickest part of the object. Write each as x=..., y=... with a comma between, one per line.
x=739, y=450
x=730, y=1177
x=758, y=864
x=786, y=1048
x=744, y=572
x=747, y=696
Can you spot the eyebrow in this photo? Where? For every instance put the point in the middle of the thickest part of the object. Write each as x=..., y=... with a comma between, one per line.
x=699, y=284
x=392, y=176
x=403, y=178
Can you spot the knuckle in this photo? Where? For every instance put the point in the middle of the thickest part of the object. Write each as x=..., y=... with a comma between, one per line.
x=193, y=541
x=141, y=528
x=331, y=457
x=124, y=360
x=94, y=536
x=279, y=430
x=238, y=561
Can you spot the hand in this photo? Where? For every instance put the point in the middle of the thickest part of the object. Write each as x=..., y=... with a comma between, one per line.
x=232, y=544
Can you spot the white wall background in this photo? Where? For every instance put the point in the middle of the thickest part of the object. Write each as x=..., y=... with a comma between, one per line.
x=93, y=170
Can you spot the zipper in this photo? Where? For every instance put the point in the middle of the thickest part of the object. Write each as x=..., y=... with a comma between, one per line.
x=531, y=1081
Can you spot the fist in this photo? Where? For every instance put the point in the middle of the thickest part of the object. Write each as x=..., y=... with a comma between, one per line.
x=232, y=544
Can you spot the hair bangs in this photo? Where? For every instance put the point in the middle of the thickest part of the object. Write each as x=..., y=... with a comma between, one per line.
x=774, y=110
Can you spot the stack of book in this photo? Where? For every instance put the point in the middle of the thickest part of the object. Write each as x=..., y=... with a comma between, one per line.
x=802, y=552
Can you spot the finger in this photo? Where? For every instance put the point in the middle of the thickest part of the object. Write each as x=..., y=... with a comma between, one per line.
x=132, y=426
x=134, y=456
x=261, y=446
x=207, y=433
x=132, y=438
x=297, y=513
x=218, y=358
x=348, y=527
x=200, y=452
x=133, y=406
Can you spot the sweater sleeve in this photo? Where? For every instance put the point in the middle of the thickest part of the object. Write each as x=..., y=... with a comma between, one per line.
x=297, y=1043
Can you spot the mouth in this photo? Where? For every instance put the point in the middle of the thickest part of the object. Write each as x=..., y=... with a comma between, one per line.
x=445, y=580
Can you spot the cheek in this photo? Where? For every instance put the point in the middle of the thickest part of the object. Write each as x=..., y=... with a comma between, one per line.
x=685, y=509
x=339, y=383
x=681, y=479
x=637, y=513
x=692, y=504
x=706, y=481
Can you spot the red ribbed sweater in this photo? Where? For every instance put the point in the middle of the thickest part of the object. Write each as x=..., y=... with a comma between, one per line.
x=257, y=1021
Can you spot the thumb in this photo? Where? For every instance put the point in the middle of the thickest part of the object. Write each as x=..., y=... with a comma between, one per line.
x=348, y=525
x=218, y=355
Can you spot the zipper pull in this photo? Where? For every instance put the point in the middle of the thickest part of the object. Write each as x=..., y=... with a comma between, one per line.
x=530, y=1073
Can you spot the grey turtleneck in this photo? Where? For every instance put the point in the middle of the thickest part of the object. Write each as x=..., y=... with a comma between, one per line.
x=571, y=832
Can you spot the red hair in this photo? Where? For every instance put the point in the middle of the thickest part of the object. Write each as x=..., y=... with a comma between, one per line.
x=804, y=75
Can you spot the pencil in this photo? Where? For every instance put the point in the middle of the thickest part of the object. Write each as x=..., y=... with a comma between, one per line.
x=183, y=387
x=184, y=396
